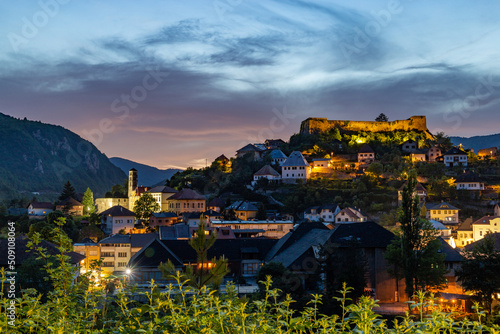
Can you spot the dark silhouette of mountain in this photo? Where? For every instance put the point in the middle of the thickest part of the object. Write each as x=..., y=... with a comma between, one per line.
x=147, y=176
x=477, y=142
x=40, y=158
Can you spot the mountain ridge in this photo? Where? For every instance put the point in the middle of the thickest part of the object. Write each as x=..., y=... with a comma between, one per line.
x=477, y=142
x=38, y=158
x=147, y=175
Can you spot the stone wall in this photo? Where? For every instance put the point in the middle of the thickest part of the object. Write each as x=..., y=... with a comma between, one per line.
x=318, y=125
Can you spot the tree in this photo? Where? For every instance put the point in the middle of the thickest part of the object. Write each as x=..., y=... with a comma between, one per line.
x=479, y=273
x=145, y=205
x=68, y=191
x=376, y=169
x=88, y=202
x=91, y=232
x=205, y=272
x=261, y=213
x=413, y=254
x=342, y=265
x=382, y=118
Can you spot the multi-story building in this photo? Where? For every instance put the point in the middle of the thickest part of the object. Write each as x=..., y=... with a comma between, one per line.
x=248, y=228
x=366, y=155
x=266, y=172
x=116, y=250
x=350, y=215
x=244, y=210
x=469, y=181
x=326, y=213
x=442, y=212
x=186, y=200
x=486, y=224
x=117, y=218
x=455, y=157
x=295, y=168
x=277, y=157
x=465, y=234
x=161, y=194
x=250, y=150
x=163, y=219
x=432, y=153
x=91, y=251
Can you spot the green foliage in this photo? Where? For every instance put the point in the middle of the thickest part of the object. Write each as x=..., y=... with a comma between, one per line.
x=376, y=169
x=205, y=272
x=145, y=205
x=382, y=118
x=88, y=305
x=88, y=202
x=67, y=192
x=341, y=267
x=72, y=308
x=479, y=273
x=413, y=254
x=92, y=232
x=118, y=191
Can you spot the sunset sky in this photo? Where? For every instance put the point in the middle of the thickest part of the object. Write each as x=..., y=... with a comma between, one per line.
x=173, y=83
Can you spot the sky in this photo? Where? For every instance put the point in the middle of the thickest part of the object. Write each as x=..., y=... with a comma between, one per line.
x=177, y=83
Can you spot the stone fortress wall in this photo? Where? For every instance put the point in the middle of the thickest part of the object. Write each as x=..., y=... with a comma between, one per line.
x=318, y=125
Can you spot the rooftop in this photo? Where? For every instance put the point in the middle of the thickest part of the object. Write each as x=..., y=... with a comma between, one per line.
x=162, y=189
x=187, y=194
x=295, y=159
x=267, y=170
x=118, y=210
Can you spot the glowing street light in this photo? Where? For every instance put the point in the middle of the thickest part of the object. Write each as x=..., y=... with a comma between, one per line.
x=128, y=271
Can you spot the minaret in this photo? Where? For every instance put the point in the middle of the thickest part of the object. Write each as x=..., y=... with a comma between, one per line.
x=132, y=182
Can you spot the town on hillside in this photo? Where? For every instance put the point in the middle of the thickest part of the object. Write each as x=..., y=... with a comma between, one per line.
x=340, y=201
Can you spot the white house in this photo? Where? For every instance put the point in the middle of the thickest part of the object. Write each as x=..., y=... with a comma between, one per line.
x=277, y=157
x=117, y=218
x=40, y=208
x=295, y=168
x=350, y=215
x=469, y=181
x=455, y=157
x=266, y=172
x=325, y=212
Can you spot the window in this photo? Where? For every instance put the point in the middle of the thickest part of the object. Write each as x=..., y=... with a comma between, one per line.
x=108, y=264
x=250, y=268
x=92, y=253
x=480, y=233
x=107, y=254
x=122, y=254
x=122, y=264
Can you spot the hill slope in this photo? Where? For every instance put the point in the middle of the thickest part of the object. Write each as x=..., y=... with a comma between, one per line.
x=147, y=175
x=39, y=157
x=477, y=142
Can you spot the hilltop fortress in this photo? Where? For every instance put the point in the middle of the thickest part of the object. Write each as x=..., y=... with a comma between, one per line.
x=317, y=125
